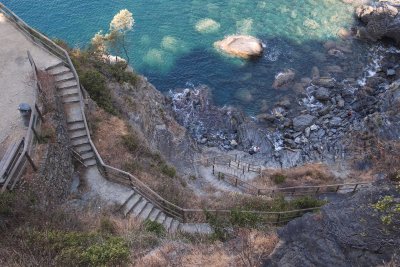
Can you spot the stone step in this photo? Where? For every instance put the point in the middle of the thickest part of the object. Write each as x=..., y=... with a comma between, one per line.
x=138, y=208
x=131, y=204
x=161, y=218
x=90, y=162
x=60, y=72
x=76, y=125
x=69, y=91
x=83, y=148
x=174, y=226
x=65, y=78
x=146, y=211
x=64, y=84
x=167, y=223
x=88, y=155
x=77, y=133
x=67, y=87
x=71, y=99
x=154, y=214
x=80, y=141
x=60, y=64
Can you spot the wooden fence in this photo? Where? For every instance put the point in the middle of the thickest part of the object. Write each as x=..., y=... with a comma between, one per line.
x=16, y=161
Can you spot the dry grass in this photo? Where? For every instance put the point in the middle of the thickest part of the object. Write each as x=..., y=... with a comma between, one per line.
x=310, y=174
x=248, y=248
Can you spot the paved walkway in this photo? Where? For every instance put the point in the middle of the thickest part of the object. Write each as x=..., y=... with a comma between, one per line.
x=15, y=83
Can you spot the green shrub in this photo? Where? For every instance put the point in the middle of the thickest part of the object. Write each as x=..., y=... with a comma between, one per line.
x=278, y=178
x=119, y=73
x=131, y=142
x=132, y=167
x=154, y=227
x=219, y=225
x=168, y=170
x=307, y=202
x=81, y=249
x=244, y=219
x=95, y=83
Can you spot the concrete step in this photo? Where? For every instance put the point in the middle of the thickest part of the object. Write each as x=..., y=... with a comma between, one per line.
x=138, y=208
x=69, y=91
x=60, y=64
x=71, y=99
x=77, y=133
x=76, y=125
x=67, y=87
x=161, y=218
x=65, y=78
x=65, y=84
x=146, y=211
x=90, y=162
x=154, y=214
x=167, y=223
x=174, y=226
x=83, y=148
x=131, y=204
x=88, y=155
x=80, y=141
x=60, y=71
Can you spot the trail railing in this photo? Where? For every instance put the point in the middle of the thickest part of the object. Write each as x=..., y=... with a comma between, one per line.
x=17, y=160
x=181, y=214
x=248, y=188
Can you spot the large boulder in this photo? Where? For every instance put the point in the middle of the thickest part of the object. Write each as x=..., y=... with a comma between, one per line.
x=243, y=46
x=381, y=19
x=303, y=121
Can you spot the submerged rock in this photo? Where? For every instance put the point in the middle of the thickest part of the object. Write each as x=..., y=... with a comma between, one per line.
x=243, y=46
x=282, y=79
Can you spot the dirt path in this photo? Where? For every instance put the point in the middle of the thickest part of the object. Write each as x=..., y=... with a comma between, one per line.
x=15, y=82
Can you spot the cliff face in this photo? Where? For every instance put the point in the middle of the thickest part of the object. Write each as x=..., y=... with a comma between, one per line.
x=346, y=233
x=149, y=113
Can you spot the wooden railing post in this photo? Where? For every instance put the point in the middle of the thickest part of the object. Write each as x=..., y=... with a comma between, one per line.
x=337, y=188
x=30, y=161
x=355, y=188
x=40, y=113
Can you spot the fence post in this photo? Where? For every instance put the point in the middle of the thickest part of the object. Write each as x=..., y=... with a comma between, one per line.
x=278, y=219
x=243, y=169
x=258, y=192
x=236, y=157
x=316, y=192
x=213, y=171
x=248, y=167
x=355, y=188
x=40, y=113
x=337, y=188
x=34, y=132
x=236, y=182
x=30, y=161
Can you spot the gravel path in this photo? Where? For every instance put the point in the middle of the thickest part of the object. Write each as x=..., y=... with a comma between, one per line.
x=15, y=82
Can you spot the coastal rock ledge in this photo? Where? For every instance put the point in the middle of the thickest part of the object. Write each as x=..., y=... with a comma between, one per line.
x=243, y=46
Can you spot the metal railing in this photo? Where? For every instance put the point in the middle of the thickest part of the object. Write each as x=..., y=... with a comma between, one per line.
x=17, y=161
x=181, y=214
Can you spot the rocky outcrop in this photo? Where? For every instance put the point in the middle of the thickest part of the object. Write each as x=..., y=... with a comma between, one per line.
x=345, y=233
x=243, y=46
x=150, y=113
x=381, y=19
x=284, y=79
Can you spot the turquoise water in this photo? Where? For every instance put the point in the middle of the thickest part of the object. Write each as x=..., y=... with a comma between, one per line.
x=171, y=45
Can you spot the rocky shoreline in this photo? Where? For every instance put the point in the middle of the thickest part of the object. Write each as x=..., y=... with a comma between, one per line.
x=319, y=124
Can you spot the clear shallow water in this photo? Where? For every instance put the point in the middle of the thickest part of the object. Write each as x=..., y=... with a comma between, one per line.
x=169, y=47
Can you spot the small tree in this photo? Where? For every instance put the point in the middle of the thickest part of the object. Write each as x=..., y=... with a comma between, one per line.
x=122, y=23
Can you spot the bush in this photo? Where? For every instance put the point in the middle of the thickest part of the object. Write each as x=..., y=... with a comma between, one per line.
x=278, y=178
x=80, y=249
x=95, y=83
x=244, y=219
x=119, y=73
x=131, y=142
x=307, y=202
x=154, y=227
x=168, y=170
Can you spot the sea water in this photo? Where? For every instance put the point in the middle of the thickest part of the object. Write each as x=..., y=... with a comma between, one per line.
x=172, y=41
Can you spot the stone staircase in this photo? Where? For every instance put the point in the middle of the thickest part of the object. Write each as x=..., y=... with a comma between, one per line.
x=138, y=206
x=68, y=90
